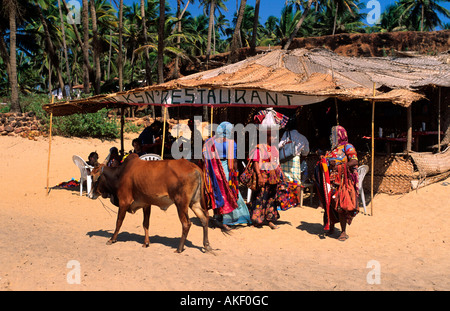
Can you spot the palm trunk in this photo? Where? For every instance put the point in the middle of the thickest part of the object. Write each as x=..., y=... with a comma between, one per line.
x=66, y=57
x=161, y=41
x=50, y=86
x=15, y=106
x=255, y=28
x=80, y=43
x=85, y=16
x=51, y=51
x=297, y=27
x=235, y=42
x=96, y=49
x=421, y=19
x=120, y=62
x=148, y=73
x=210, y=30
x=335, y=18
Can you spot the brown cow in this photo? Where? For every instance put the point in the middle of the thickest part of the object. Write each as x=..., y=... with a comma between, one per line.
x=139, y=184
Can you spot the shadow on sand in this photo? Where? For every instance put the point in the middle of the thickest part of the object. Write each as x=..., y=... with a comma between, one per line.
x=155, y=239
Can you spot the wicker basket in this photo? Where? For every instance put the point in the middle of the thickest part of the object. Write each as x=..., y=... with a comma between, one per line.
x=429, y=164
x=392, y=174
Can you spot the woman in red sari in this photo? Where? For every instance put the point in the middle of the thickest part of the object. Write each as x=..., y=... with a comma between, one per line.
x=328, y=175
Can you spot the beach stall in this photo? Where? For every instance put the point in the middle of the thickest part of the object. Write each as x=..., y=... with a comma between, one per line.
x=290, y=79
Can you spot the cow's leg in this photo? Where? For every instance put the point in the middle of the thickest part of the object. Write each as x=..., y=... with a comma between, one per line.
x=185, y=223
x=145, y=224
x=120, y=217
x=204, y=218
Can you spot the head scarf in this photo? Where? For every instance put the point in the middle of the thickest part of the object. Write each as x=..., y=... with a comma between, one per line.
x=224, y=130
x=338, y=136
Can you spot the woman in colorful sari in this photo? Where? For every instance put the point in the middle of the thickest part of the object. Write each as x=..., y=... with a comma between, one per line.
x=219, y=154
x=329, y=173
x=272, y=190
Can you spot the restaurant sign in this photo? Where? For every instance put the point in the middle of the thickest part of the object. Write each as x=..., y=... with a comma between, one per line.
x=215, y=97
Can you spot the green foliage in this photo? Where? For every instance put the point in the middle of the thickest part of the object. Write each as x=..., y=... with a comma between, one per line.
x=133, y=128
x=95, y=125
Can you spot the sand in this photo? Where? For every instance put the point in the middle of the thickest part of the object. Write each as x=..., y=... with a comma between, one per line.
x=47, y=241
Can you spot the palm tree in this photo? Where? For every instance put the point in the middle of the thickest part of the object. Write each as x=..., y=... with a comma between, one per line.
x=236, y=39
x=66, y=57
x=162, y=12
x=212, y=5
x=86, y=65
x=120, y=61
x=148, y=74
x=197, y=28
x=179, y=16
x=255, y=27
x=426, y=9
x=96, y=48
x=50, y=48
x=340, y=7
x=11, y=6
x=298, y=25
x=85, y=18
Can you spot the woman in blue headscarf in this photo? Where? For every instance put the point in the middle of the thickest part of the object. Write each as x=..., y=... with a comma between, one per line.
x=219, y=153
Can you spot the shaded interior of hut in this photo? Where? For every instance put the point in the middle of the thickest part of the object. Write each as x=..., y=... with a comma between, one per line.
x=390, y=123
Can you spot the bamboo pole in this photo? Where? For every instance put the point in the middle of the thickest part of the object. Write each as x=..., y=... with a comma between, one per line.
x=337, y=111
x=373, y=152
x=49, y=148
x=439, y=120
x=212, y=116
x=122, y=125
x=409, y=128
x=164, y=133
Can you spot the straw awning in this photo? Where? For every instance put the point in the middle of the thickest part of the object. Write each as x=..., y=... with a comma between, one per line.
x=282, y=79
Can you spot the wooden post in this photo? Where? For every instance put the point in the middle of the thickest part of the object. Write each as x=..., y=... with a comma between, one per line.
x=439, y=120
x=122, y=125
x=164, y=133
x=212, y=117
x=373, y=153
x=49, y=148
x=409, y=128
x=337, y=111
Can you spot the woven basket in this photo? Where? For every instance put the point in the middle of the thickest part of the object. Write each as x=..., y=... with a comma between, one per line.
x=429, y=164
x=392, y=174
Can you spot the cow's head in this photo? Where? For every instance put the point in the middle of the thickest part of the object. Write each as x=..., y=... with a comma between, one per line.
x=98, y=183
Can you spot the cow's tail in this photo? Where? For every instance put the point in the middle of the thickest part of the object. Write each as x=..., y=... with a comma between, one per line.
x=214, y=223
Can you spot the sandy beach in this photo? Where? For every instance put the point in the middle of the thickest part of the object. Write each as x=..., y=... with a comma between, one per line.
x=405, y=244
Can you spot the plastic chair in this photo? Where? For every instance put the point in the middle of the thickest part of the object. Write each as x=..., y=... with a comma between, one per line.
x=362, y=171
x=85, y=170
x=150, y=157
x=249, y=191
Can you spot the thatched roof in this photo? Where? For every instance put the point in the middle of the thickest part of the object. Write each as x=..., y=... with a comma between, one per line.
x=288, y=78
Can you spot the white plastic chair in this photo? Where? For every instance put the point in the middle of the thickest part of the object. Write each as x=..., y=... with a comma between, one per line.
x=150, y=157
x=85, y=170
x=362, y=171
x=249, y=191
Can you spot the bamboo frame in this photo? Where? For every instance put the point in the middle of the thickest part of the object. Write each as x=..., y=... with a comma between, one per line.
x=212, y=117
x=373, y=152
x=164, y=133
x=49, y=148
x=439, y=119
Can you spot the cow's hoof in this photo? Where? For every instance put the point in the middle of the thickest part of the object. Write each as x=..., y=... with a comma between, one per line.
x=145, y=245
x=111, y=242
x=209, y=250
x=179, y=251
